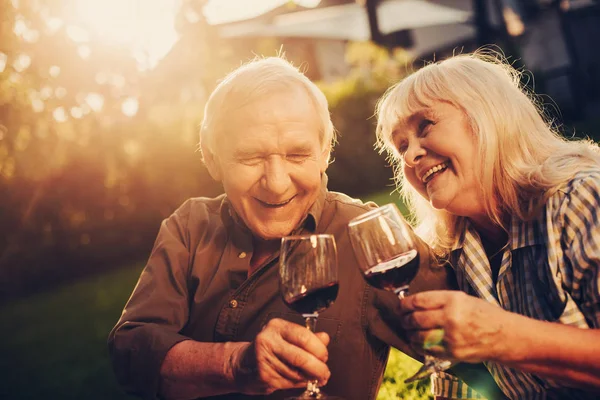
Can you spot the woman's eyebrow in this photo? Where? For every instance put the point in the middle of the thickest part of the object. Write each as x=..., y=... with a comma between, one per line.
x=409, y=120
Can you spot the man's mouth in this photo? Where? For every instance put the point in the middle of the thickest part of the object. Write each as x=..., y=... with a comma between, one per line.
x=276, y=205
x=427, y=176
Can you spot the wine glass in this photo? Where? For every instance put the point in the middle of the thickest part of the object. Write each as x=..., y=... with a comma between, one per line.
x=308, y=283
x=385, y=249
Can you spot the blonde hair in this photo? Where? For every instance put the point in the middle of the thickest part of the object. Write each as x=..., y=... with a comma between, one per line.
x=521, y=158
x=252, y=81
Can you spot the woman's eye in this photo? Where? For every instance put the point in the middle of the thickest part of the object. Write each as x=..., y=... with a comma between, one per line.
x=424, y=125
x=402, y=149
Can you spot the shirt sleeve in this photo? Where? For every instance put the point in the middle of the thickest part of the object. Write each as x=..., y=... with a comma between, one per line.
x=155, y=313
x=581, y=241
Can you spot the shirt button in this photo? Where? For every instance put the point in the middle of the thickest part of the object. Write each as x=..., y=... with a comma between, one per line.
x=233, y=303
x=242, y=255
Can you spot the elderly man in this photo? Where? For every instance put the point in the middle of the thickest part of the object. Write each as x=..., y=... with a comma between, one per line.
x=206, y=318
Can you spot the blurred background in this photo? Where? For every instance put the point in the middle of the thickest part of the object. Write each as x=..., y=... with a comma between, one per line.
x=100, y=104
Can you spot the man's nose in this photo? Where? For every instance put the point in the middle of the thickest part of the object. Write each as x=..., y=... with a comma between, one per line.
x=276, y=177
x=414, y=153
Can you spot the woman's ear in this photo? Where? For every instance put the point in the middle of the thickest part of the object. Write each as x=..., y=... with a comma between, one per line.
x=211, y=162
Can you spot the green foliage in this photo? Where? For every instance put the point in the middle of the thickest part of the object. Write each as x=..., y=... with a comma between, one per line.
x=388, y=196
x=84, y=185
x=400, y=367
x=358, y=169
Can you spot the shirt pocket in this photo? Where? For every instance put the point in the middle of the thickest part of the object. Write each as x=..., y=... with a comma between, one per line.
x=329, y=325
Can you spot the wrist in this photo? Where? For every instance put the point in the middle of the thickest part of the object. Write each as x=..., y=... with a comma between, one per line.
x=237, y=365
x=511, y=346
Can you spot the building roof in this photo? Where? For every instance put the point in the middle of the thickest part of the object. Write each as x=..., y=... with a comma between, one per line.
x=348, y=21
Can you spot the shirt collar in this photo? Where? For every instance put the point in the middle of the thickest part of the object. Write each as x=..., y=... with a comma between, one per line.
x=521, y=233
x=526, y=233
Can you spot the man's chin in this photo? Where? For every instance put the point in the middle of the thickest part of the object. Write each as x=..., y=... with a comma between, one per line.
x=272, y=234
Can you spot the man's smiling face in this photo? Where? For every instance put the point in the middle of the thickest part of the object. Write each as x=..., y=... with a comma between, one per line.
x=270, y=159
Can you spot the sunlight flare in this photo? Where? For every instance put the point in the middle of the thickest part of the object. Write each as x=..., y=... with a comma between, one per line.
x=146, y=27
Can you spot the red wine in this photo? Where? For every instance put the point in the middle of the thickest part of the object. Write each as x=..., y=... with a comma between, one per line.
x=314, y=300
x=395, y=273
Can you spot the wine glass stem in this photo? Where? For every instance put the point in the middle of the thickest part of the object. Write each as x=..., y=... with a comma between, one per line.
x=312, y=386
x=431, y=364
x=311, y=321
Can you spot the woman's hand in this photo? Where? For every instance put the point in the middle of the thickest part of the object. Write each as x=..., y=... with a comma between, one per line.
x=454, y=325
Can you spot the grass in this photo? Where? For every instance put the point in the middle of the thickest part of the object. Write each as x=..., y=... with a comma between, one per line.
x=53, y=344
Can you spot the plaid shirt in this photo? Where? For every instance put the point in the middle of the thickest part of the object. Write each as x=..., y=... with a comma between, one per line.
x=549, y=271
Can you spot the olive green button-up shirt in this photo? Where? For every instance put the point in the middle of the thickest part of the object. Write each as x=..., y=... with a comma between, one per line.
x=196, y=286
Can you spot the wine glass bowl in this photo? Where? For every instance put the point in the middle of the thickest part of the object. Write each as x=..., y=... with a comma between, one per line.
x=308, y=273
x=308, y=283
x=385, y=248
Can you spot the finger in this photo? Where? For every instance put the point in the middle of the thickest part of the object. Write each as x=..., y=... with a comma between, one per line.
x=425, y=301
x=324, y=338
x=305, y=363
x=274, y=366
x=305, y=339
x=263, y=372
x=421, y=320
x=298, y=349
x=275, y=370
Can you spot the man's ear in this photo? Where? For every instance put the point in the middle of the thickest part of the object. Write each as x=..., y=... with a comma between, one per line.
x=325, y=157
x=213, y=166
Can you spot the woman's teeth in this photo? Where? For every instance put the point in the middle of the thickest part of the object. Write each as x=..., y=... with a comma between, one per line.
x=429, y=174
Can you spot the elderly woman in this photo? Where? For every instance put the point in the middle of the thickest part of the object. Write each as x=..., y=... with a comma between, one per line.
x=514, y=207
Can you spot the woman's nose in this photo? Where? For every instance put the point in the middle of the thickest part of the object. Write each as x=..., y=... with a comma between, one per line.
x=414, y=153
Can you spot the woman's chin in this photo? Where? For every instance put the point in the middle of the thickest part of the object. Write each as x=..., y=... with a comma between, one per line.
x=439, y=203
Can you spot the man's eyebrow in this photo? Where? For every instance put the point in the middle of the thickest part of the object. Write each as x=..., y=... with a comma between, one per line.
x=246, y=153
x=301, y=147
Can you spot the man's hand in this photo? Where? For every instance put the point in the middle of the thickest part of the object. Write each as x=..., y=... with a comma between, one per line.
x=284, y=355
x=454, y=325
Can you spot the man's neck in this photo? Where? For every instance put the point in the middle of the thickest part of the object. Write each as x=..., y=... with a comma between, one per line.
x=263, y=250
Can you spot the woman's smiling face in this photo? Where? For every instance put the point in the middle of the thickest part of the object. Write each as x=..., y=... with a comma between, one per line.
x=439, y=155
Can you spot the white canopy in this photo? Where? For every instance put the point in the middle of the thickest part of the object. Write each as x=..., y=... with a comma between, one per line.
x=350, y=21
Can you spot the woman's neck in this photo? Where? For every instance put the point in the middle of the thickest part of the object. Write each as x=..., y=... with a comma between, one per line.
x=493, y=236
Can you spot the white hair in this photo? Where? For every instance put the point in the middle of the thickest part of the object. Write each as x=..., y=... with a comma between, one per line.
x=521, y=159
x=251, y=82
